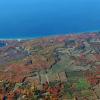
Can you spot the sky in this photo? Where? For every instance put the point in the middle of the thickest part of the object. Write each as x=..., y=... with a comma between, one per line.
x=37, y=18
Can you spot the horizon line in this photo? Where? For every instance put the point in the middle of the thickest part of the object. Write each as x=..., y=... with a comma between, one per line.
x=53, y=35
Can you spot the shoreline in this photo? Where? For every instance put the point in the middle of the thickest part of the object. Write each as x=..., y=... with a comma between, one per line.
x=53, y=35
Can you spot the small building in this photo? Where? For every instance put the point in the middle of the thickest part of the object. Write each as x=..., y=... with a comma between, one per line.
x=63, y=76
x=95, y=46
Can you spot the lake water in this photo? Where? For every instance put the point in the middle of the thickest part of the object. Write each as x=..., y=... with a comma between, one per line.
x=37, y=18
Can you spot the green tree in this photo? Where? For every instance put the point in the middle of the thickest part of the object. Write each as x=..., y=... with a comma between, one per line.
x=82, y=84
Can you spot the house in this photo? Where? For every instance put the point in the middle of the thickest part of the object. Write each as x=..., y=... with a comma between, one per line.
x=95, y=46
x=63, y=76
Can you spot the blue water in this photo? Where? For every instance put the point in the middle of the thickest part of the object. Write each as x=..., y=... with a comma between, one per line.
x=37, y=18
x=2, y=44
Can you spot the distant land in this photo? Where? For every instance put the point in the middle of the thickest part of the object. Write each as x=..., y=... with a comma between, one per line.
x=60, y=67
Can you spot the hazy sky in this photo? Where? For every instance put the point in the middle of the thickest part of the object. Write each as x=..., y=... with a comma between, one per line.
x=38, y=17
